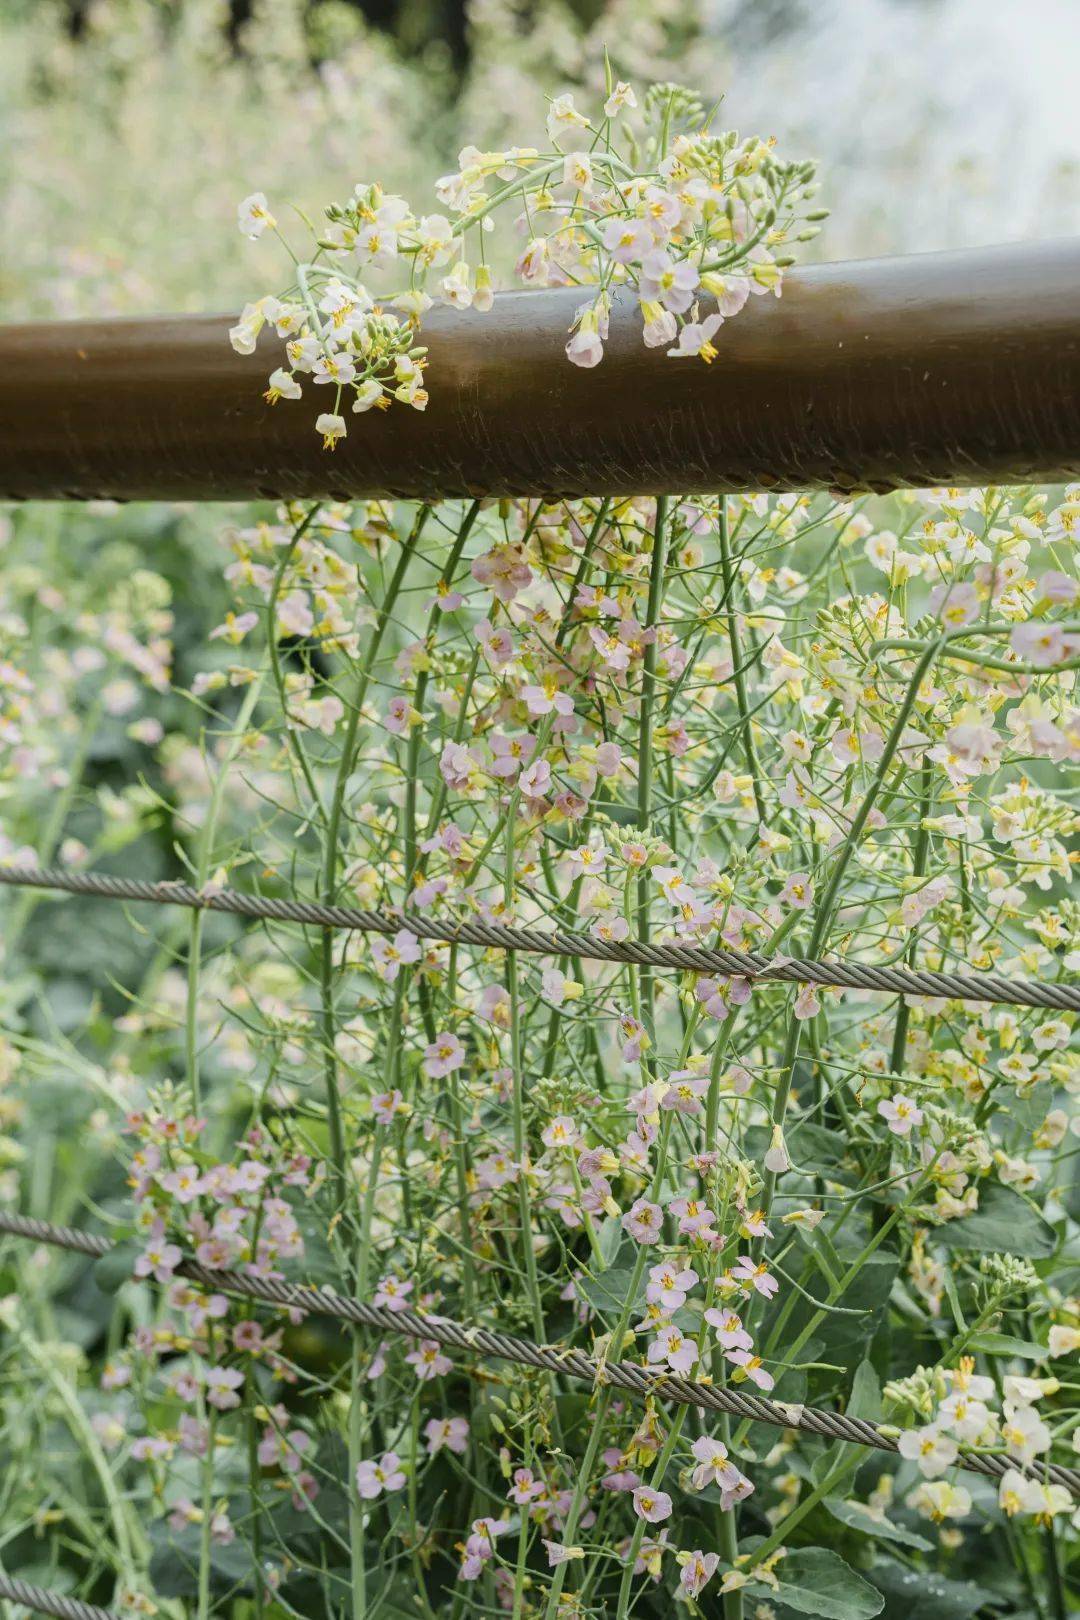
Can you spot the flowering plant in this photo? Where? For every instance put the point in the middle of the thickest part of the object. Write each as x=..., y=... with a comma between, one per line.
x=689, y=222
x=788, y=724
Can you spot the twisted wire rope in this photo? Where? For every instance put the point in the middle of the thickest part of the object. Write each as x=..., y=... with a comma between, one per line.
x=751, y=965
x=47, y=1601
x=639, y=1381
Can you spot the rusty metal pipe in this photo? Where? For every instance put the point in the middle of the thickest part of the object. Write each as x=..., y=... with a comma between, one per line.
x=950, y=368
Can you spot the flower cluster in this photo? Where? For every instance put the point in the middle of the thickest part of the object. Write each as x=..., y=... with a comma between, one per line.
x=644, y=202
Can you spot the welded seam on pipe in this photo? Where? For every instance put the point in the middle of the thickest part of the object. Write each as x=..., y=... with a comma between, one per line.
x=639, y=1381
x=728, y=964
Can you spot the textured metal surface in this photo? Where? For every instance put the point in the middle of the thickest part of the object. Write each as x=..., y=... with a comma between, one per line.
x=936, y=368
x=725, y=964
x=481, y=1341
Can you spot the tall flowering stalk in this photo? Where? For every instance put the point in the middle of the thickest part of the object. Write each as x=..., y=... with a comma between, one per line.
x=769, y=724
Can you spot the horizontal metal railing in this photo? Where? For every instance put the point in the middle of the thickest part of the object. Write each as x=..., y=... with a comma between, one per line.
x=951, y=368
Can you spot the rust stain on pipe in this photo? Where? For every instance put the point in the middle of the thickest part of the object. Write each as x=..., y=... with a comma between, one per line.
x=933, y=369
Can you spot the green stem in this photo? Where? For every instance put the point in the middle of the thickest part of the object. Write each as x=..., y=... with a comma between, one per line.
x=203, y=860
x=330, y=864
x=645, y=742
x=738, y=669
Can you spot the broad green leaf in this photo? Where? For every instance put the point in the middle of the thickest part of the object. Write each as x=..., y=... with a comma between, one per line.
x=610, y=1236
x=607, y=1291
x=814, y=1580
x=871, y=1523
x=1004, y=1223
x=865, y=1398
x=915, y=1595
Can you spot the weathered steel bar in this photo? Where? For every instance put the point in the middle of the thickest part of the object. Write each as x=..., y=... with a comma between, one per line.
x=934, y=369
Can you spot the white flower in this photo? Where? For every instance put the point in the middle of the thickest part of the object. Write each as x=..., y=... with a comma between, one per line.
x=585, y=347
x=578, y=172
x=253, y=216
x=369, y=393
x=565, y=125
x=282, y=385
x=454, y=288
x=933, y=1451
x=776, y=1157
x=1024, y=1432
x=695, y=338
x=621, y=96
x=1064, y=1340
x=938, y=1500
x=332, y=429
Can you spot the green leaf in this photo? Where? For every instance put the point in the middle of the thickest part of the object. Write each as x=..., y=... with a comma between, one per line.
x=914, y=1595
x=1004, y=1223
x=607, y=1291
x=1003, y=1344
x=814, y=1580
x=869, y=1523
x=609, y=1237
x=864, y=1401
x=114, y=1269
x=865, y=1398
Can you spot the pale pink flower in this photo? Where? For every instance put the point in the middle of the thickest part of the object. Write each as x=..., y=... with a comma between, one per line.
x=535, y=780
x=509, y=754
x=453, y=1433
x=372, y=1478
x=558, y=1554
x=652, y=1506
x=398, y=711
x=386, y=1105
x=643, y=1220
x=391, y=955
x=669, y=1285
x=685, y=1090
x=159, y=1259
x=807, y=1002
x=392, y=1294
x=798, y=891
x=751, y=1366
x=443, y=1056
x=730, y=1333
x=524, y=1487
x=696, y=337
x=497, y=643
x=749, y=1271
x=428, y=1361
x=221, y=1386
x=1042, y=643
x=456, y=765
x=672, y=1346
x=903, y=1115
x=504, y=570
x=698, y=1568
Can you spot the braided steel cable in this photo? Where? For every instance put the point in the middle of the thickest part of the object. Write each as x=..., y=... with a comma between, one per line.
x=46, y=1601
x=639, y=1381
x=752, y=965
